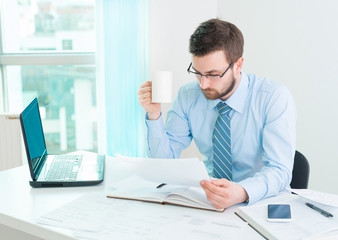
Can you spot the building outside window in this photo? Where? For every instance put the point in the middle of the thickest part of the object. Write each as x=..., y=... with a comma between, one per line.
x=48, y=51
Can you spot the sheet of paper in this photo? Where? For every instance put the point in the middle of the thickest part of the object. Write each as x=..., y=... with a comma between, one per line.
x=93, y=216
x=186, y=227
x=137, y=187
x=317, y=196
x=180, y=171
x=86, y=213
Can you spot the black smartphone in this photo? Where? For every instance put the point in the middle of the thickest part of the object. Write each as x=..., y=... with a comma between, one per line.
x=279, y=212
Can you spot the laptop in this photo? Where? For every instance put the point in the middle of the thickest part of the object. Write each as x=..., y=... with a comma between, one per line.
x=80, y=168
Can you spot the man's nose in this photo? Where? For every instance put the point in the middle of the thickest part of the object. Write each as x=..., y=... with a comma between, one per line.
x=204, y=82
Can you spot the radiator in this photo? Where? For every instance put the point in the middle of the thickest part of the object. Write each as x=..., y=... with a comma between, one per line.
x=11, y=142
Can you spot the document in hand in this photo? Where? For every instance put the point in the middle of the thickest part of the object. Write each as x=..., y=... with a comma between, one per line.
x=178, y=171
x=137, y=188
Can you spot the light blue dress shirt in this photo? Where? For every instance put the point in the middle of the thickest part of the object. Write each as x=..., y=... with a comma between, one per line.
x=263, y=133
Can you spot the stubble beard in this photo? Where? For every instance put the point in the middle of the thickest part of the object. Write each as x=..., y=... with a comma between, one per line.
x=212, y=94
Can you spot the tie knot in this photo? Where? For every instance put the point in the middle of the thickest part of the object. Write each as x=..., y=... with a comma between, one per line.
x=223, y=108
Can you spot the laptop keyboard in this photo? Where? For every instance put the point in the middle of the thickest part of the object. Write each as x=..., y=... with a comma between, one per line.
x=64, y=168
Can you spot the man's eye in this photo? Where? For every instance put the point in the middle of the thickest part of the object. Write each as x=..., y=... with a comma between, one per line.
x=212, y=75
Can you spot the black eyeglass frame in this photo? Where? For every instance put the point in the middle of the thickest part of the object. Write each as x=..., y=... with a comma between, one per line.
x=209, y=75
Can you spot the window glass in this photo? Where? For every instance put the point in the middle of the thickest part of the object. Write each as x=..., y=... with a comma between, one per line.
x=48, y=25
x=67, y=100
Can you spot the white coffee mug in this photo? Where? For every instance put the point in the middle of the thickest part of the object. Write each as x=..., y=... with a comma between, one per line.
x=162, y=82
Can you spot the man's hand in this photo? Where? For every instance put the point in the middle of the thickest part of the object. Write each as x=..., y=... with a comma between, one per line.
x=223, y=193
x=144, y=98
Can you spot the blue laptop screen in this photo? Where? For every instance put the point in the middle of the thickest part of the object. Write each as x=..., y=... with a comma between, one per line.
x=33, y=134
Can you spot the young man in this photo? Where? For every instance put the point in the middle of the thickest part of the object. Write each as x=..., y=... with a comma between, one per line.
x=249, y=147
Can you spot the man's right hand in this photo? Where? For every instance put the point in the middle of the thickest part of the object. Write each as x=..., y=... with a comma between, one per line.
x=144, y=97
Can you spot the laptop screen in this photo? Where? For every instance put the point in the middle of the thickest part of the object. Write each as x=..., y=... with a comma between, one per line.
x=33, y=133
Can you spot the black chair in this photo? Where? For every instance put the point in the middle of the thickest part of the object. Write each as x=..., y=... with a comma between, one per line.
x=300, y=172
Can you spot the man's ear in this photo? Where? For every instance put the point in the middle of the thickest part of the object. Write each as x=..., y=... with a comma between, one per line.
x=238, y=65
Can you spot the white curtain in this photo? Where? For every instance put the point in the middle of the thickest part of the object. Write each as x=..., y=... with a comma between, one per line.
x=122, y=66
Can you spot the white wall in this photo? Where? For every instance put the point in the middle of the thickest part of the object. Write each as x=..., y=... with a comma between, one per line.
x=171, y=24
x=296, y=42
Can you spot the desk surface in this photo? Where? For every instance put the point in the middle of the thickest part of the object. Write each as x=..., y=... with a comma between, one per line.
x=21, y=205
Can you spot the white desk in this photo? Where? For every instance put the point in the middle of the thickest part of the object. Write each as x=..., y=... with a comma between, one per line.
x=21, y=205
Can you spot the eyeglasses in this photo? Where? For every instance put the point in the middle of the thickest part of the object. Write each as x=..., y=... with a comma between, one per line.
x=208, y=76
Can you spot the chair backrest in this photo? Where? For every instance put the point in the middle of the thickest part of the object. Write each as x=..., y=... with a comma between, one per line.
x=300, y=172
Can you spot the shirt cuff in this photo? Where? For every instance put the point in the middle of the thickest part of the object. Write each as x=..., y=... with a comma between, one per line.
x=254, y=189
x=154, y=126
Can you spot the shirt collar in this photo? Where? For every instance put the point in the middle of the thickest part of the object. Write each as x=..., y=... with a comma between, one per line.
x=237, y=100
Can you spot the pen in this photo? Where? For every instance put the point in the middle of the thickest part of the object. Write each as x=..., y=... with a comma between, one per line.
x=161, y=185
x=321, y=211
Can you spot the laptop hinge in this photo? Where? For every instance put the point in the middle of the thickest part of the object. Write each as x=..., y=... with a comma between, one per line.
x=38, y=167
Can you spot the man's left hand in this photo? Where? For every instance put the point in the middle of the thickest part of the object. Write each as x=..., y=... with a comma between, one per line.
x=223, y=193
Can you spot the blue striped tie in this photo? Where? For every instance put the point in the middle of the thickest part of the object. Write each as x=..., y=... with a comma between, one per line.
x=222, y=143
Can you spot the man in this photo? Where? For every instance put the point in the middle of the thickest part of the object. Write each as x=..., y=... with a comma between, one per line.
x=258, y=134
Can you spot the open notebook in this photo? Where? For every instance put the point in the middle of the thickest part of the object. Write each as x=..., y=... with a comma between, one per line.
x=137, y=188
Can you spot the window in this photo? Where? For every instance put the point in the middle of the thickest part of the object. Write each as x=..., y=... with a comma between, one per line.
x=47, y=50
x=48, y=25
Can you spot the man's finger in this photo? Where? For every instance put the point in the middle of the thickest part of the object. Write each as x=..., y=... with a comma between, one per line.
x=146, y=84
x=221, y=182
x=210, y=187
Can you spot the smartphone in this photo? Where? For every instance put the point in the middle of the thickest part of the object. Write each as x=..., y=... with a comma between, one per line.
x=279, y=212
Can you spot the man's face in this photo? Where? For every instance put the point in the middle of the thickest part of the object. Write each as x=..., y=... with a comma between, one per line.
x=215, y=87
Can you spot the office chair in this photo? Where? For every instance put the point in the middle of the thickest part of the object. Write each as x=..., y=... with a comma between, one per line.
x=300, y=172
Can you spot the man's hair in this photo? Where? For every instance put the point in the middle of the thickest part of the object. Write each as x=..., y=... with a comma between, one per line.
x=215, y=35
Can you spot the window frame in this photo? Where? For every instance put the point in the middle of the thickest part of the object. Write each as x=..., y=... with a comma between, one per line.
x=81, y=58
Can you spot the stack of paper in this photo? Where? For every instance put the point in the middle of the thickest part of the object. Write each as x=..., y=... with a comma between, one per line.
x=93, y=216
